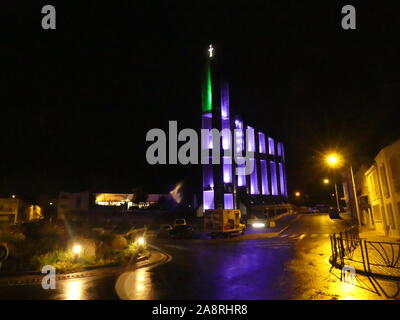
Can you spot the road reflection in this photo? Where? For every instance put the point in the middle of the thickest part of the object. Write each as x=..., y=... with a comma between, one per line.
x=74, y=290
x=134, y=285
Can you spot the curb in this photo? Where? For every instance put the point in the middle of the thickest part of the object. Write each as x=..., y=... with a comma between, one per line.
x=94, y=272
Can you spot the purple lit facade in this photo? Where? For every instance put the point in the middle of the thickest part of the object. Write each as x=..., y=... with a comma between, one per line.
x=222, y=187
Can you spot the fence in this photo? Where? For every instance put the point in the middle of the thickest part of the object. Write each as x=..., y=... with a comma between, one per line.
x=373, y=257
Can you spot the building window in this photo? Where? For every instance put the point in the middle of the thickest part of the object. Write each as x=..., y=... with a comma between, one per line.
x=208, y=198
x=239, y=136
x=250, y=139
x=282, y=179
x=395, y=171
x=253, y=178
x=241, y=178
x=376, y=185
x=261, y=142
x=228, y=201
x=384, y=181
x=264, y=177
x=389, y=211
x=227, y=169
x=279, y=149
x=274, y=182
x=271, y=146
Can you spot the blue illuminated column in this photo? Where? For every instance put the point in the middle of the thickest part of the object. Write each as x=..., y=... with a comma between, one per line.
x=251, y=147
x=274, y=182
x=271, y=146
x=206, y=123
x=239, y=136
x=261, y=143
x=227, y=166
x=282, y=170
x=282, y=179
x=264, y=177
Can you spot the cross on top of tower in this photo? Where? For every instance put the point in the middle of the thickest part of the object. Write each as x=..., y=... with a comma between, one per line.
x=210, y=50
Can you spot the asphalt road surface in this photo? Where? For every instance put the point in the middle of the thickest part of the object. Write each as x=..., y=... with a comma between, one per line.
x=293, y=265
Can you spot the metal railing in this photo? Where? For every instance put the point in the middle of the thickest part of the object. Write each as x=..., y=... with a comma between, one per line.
x=375, y=258
x=344, y=245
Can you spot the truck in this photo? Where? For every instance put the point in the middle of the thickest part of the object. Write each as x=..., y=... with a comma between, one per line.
x=223, y=223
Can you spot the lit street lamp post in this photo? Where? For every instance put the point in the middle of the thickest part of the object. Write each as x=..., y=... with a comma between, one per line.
x=326, y=181
x=334, y=160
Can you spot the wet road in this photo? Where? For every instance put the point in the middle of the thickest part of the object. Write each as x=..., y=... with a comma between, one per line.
x=293, y=265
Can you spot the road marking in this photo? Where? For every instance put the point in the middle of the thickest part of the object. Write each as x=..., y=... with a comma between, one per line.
x=303, y=236
x=284, y=236
x=293, y=236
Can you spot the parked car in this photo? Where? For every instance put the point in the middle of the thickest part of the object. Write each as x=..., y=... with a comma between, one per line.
x=181, y=232
x=180, y=222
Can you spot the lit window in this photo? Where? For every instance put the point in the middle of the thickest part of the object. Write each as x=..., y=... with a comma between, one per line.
x=271, y=146
x=261, y=142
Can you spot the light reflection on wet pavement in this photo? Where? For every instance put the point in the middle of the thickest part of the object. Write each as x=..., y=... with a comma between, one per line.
x=292, y=266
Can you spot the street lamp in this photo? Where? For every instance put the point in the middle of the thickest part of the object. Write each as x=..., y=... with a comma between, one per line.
x=326, y=181
x=297, y=194
x=334, y=160
x=76, y=249
x=141, y=241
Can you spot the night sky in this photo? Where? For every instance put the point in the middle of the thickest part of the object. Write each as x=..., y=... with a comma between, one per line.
x=78, y=101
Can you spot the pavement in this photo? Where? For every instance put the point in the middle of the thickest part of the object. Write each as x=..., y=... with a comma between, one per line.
x=292, y=265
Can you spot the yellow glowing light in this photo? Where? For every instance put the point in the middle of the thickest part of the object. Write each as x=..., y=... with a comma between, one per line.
x=258, y=225
x=13, y=196
x=76, y=249
x=140, y=241
x=74, y=290
x=326, y=181
x=51, y=203
x=297, y=194
x=333, y=160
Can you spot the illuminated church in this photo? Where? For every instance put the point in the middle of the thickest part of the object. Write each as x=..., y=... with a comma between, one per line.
x=222, y=187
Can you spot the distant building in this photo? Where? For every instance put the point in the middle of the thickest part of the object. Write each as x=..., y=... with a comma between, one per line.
x=81, y=202
x=13, y=210
x=222, y=187
x=383, y=198
x=9, y=210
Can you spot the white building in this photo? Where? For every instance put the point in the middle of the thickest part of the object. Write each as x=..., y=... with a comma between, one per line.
x=383, y=181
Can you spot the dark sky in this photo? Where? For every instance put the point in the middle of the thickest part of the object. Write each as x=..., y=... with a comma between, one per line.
x=78, y=101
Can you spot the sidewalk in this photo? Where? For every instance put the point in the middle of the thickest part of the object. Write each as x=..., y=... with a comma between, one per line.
x=372, y=235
